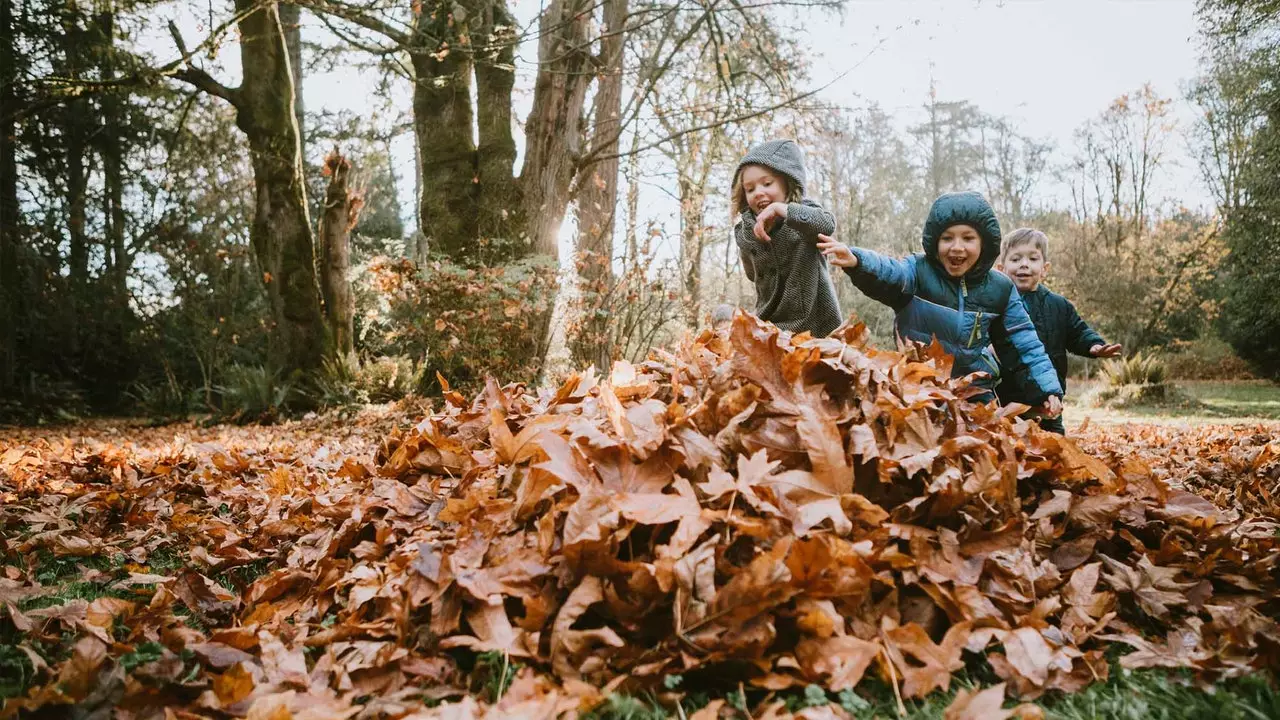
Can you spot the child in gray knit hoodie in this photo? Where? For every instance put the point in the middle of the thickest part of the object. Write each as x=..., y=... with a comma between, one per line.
x=777, y=234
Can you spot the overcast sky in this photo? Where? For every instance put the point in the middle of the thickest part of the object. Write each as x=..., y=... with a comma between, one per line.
x=1051, y=65
x=1048, y=64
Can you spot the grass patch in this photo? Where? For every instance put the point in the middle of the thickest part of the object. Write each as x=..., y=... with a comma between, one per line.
x=1256, y=398
x=1209, y=402
x=1127, y=695
x=16, y=673
x=238, y=578
x=1159, y=695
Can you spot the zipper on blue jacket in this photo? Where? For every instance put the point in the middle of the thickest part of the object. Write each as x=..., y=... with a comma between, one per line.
x=964, y=291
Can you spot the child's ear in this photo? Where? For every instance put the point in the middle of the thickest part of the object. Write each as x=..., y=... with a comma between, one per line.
x=999, y=266
x=1047, y=265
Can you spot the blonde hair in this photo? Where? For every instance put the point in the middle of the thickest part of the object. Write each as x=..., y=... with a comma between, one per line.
x=738, y=196
x=1025, y=236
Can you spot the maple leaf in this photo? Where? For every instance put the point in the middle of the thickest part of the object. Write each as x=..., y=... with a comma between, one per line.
x=838, y=661
x=978, y=705
x=1154, y=587
x=930, y=665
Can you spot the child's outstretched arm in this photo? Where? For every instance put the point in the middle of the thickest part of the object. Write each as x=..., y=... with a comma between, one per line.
x=1084, y=340
x=880, y=278
x=806, y=216
x=1019, y=347
x=810, y=217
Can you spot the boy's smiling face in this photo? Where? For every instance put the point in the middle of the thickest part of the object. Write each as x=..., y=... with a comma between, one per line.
x=762, y=187
x=959, y=248
x=1026, y=266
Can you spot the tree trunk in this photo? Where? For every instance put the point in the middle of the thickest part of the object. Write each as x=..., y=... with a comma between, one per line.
x=291, y=22
x=554, y=129
x=442, y=123
x=281, y=232
x=75, y=116
x=598, y=196
x=496, y=152
x=9, y=238
x=692, y=203
x=341, y=210
x=112, y=151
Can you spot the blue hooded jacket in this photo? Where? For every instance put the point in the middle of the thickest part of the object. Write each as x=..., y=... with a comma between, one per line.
x=971, y=315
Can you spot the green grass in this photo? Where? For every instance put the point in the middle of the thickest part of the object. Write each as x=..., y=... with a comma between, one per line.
x=1127, y=695
x=1215, y=402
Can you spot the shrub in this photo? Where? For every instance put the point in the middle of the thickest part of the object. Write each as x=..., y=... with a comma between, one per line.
x=464, y=322
x=1137, y=369
x=1135, y=380
x=1207, y=358
x=348, y=380
x=255, y=393
x=163, y=400
x=42, y=399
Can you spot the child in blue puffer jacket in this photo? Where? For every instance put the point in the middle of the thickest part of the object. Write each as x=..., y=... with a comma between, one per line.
x=951, y=292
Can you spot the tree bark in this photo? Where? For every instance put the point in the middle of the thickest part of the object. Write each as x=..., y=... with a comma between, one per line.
x=692, y=202
x=76, y=115
x=291, y=22
x=494, y=63
x=442, y=123
x=9, y=234
x=597, y=198
x=111, y=147
x=281, y=232
x=341, y=211
x=553, y=131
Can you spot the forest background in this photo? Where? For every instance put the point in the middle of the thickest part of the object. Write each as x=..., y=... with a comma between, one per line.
x=250, y=207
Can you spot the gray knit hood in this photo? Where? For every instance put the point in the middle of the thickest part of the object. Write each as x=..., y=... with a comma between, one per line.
x=783, y=156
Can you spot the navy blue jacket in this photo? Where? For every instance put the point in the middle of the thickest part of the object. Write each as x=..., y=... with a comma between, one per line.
x=970, y=316
x=1061, y=330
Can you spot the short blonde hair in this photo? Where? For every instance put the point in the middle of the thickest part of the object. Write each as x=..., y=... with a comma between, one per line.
x=1025, y=236
x=795, y=193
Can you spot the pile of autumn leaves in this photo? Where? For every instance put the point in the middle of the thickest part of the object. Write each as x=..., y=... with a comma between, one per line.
x=751, y=511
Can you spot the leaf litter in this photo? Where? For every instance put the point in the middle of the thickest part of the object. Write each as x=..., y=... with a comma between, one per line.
x=751, y=510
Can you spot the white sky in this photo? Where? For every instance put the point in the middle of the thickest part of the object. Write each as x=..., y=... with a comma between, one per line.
x=1050, y=65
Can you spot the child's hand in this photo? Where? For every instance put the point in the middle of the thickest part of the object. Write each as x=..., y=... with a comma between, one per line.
x=1053, y=406
x=837, y=253
x=768, y=218
x=1105, y=351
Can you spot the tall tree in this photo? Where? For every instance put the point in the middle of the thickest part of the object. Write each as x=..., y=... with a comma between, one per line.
x=1012, y=163
x=281, y=232
x=597, y=197
x=1250, y=278
x=947, y=143
x=1230, y=115
x=9, y=217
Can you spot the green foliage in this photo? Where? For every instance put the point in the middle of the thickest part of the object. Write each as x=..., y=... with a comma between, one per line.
x=1206, y=358
x=1137, y=369
x=465, y=322
x=1241, y=34
x=494, y=672
x=1138, y=380
x=257, y=393
x=348, y=380
x=627, y=707
x=1250, y=318
x=16, y=672
x=42, y=399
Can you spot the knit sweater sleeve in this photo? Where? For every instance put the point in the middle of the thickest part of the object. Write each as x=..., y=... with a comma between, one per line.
x=810, y=218
x=883, y=279
x=746, y=242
